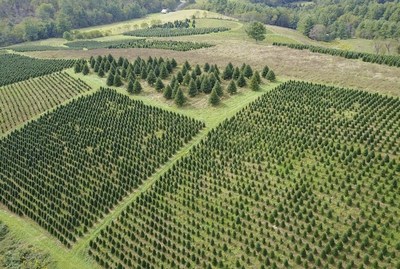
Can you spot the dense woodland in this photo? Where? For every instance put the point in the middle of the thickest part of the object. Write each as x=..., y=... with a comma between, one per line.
x=27, y=20
x=323, y=20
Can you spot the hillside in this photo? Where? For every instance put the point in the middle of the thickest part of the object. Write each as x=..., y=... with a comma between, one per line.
x=29, y=20
x=180, y=140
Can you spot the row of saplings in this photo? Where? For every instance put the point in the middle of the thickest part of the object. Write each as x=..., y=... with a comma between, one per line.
x=192, y=80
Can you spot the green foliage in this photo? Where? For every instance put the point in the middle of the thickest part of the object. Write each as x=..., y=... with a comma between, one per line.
x=179, y=98
x=30, y=20
x=241, y=82
x=15, y=68
x=117, y=81
x=255, y=82
x=130, y=86
x=256, y=30
x=110, y=79
x=79, y=128
x=24, y=100
x=391, y=60
x=85, y=69
x=265, y=71
x=159, y=85
x=214, y=98
x=168, y=32
x=218, y=89
x=272, y=184
x=232, y=89
x=168, y=92
x=192, y=88
x=271, y=75
x=137, y=87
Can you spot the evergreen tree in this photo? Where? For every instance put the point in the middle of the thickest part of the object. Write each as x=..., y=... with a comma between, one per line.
x=163, y=72
x=197, y=70
x=85, y=69
x=107, y=66
x=174, y=64
x=198, y=83
x=96, y=67
x=143, y=74
x=179, y=77
x=173, y=82
x=192, y=88
x=137, y=88
x=206, y=67
x=124, y=73
x=214, y=98
x=101, y=73
x=187, y=65
x=228, y=72
x=117, y=81
x=218, y=89
x=179, y=97
x=130, y=86
x=241, y=82
x=232, y=89
x=205, y=85
x=110, y=79
x=168, y=92
x=236, y=73
x=184, y=70
x=151, y=78
x=212, y=79
x=271, y=75
x=265, y=71
x=258, y=77
x=77, y=67
x=159, y=85
x=248, y=72
x=187, y=79
x=254, y=84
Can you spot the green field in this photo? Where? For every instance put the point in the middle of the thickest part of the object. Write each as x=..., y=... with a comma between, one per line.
x=97, y=172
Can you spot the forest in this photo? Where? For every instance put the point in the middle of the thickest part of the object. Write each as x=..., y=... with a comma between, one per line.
x=321, y=20
x=28, y=20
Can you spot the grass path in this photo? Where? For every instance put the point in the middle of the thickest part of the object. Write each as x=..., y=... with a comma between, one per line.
x=30, y=232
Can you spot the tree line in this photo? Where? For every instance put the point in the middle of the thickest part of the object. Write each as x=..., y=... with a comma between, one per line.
x=28, y=20
x=321, y=20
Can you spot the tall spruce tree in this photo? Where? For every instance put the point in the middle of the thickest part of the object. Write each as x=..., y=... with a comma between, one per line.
x=218, y=89
x=241, y=82
x=271, y=75
x=168, y=92
x=192, y=88
x=254, y=84
x=179, y=97
x=137, y=87
x=159, y=85
x=214, y=98
x=232, y=89
x=110, y=79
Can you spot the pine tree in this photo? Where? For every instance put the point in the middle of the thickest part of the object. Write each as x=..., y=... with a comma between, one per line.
x=187, y=79
x=163, y=72
x=174, y=64
x=241, y=82
x=130, y=86
x=151, y=78
x=206, y=67
x=179, y=97
x=214, y=98
x=236, y=73
x=248, y=72
x=168, y=92
x=96, y=67
x=187, y=65
x=218, y=89
x=110, y=79
x=265, y=71
x=143, y=73
x=271, y=75
x=77, y=67
x=232, y=89
x=192, y=88
x=117, y=81
x=198, y=83
x=212, y=79
x=92, y=62
x=85, y=70
x=254, y=84
x=258, y=77
x=124, y=73
x=197, y=70
x=137, y=88
x=205, y=85
x=228, y=72
x=101, y=73
x=179, y=77
x=159, y=85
